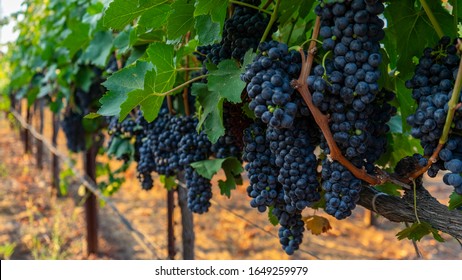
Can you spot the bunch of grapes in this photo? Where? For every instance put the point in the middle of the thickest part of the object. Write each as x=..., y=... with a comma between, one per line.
x=432, y=87
x=264, y=188
x=296, y=164
x=346, y=87
x=273, y=100
x=235, y=122
x=195, y=147
x=165, y=143
x=74, y=131
x=261, y=169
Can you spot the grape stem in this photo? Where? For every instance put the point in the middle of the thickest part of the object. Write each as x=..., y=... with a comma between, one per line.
x=187, y=110
x=323, y=121
x=432, y=18
x=250, y=6
x=453, y=104
x=274, y=16
x=267, y=4
x=180, y=86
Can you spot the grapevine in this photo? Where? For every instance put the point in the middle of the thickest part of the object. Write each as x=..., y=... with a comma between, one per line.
x=307, y=130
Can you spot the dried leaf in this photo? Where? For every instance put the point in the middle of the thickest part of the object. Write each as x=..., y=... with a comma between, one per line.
x=316, y=224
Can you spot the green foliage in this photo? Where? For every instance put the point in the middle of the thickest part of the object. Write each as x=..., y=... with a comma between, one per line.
x=455, y=201
x=417, y=231
x=231, y=166
x=272, y=218
x=409, y=22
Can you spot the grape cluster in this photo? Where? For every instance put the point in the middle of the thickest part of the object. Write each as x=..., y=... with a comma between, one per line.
x=165, y=144
x=199, y=191
x=432, y=87
x=410, y=164
x=74, y=131
x=261, y=169
x=195, y=147
x=235, y=122
x=241, y=32
x=273, y=100
x=264, y=188
x=297, y=164
x=143, y=153
x=84, y=103
x=279, y=146
x=346, y=88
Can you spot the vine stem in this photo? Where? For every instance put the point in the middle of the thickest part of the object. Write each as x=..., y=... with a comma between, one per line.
x=186, y=75
x=274, y=16
x=180, y=86
x=250, y=6
x=453, y=104
x=267, y=4
x=189, y=69
x=455, y=12
x=432, y=18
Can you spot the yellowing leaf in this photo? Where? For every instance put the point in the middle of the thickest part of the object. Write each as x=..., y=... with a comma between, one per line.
x=316, y=224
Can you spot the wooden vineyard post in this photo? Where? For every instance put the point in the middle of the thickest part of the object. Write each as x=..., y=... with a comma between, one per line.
x=369, y=218
x=187, y=224
x=170, y=224
x=22, y=130
x=27, y=136
x=55, y=159
x=91, y=207
x=39, y=155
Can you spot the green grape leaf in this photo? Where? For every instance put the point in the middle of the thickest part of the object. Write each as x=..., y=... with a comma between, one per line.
x=215, y=8
x=417, y=231
x=406, y=103
x=84, y=78
x=211, y=117
x=291, y=9
x=156, y=82
x=233, y=168
x=457, y=8
x=249, y=56
x=92, y=116
x=181, y=20
x=122, y=12
x=271, y=217
x=78, y=38
x=162, y=57
x=98, y=50
x=411, y=24
x=169, y=182
x=120, y=84
x=455, y=201
x=207, y=30
x=122, y=41
x=209, y=167
x=388, y=188
x=226, y=81
x=150, y=103
x=155, y=17
x=120, y=147
x=230, y=165
x=403, y=145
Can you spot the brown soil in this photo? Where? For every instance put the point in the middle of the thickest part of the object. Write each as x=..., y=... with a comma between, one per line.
x=40, y=226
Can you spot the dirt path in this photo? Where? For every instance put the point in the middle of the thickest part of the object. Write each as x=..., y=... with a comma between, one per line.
x=38, y=225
